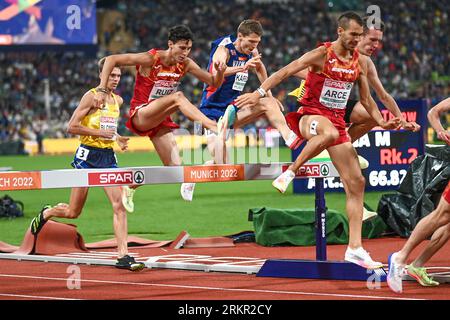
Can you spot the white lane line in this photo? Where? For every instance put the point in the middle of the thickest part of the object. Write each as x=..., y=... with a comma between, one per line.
x=213, y=288
x=33, y=297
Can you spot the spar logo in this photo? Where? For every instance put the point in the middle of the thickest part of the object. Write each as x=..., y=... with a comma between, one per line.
x=116, y=178
x=139, y=177
x=309, y=170
x=325, y=170
x=312, y=170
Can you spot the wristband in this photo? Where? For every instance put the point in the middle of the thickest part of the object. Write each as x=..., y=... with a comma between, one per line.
x=103, y=90
x=261, y=92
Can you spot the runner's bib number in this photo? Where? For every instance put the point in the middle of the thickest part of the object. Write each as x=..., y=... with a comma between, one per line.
x=335, y=93
x=240, y=80
x=108, y=123
x=163, y=88
x=82, y=153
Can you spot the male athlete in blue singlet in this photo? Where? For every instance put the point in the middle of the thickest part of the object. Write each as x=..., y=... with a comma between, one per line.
x=216, y=100
x=241, y=55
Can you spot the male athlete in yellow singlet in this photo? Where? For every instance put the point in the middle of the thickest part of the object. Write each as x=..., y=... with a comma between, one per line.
x=97, y=128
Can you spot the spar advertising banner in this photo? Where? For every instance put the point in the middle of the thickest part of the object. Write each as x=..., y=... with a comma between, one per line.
x=389, y=152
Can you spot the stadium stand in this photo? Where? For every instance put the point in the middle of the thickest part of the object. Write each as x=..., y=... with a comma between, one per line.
x=416, y=66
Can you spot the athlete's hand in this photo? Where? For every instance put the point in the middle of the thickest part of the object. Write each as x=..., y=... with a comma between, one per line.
x=393, y=124
x=220, y=67
x=248, y=100
x=107, y=134
x=99, y=99
x=410, y=126
x=122, y=142
x=254, y=62
x=444, y=136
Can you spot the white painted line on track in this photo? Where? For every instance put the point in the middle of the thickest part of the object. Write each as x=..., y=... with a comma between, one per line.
x=33, y=297
x=303, y=293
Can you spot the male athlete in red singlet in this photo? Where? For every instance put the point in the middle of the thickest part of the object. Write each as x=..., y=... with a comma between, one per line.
x=333, y=67
x=436, y=224
x=158, y=74
x=355, y=114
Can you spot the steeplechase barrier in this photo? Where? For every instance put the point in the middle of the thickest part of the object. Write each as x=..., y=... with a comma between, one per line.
x=318, y=169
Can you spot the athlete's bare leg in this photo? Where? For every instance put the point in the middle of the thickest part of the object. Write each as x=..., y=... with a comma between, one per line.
x=268, y=107
x=438, y=218
x=72, y=210
x=166, y=147
x=114, y=195
x=320, y=133
x=345, y=159
x=218, y=149
x=438, y=240
x=156, y=111
x=361, y=122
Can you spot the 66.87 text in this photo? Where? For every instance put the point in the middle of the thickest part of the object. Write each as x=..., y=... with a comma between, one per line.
x=384, y=178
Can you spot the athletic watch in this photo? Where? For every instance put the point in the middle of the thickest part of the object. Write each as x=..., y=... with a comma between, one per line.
x=261, y=92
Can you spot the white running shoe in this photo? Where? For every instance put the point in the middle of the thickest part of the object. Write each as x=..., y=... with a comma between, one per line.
x=362, y=258
x=187, y=191
x=222, y=131
x=127, y=198
x=367, y=215
x=282, y=182
x=395, y=274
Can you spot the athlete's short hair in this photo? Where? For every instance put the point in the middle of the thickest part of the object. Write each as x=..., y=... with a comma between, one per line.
x=345, y=18
x=100, y=64
x=247, y=27
x=372, y=23
x=180, y=33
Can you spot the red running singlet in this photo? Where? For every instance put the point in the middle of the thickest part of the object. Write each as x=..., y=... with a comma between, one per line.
x=162, y=81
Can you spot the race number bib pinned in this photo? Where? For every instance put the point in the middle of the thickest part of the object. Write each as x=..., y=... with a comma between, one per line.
x=82, y=153
x=108, y=123
x=335, y=93
x=240, y=80
x=163, y=88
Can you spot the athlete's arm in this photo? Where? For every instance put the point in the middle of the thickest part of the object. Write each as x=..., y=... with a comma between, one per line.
x=302, y=74
x=126, y=59
x=116, y=60
x=83, y=109
x=119, y=100
x=386, y=98
x=367, y=100
x=260, y=69
x=434, y=118
x=221, y=56
x=122, y=142
x=214, y=80
x=311, y=58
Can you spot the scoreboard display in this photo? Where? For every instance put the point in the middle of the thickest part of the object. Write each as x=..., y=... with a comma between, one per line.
x=48, y=22
x=389, y=152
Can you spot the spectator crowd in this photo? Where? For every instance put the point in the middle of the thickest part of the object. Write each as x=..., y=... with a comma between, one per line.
x=412, y=63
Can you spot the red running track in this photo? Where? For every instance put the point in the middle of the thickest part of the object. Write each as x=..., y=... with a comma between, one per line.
x=39, y=280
